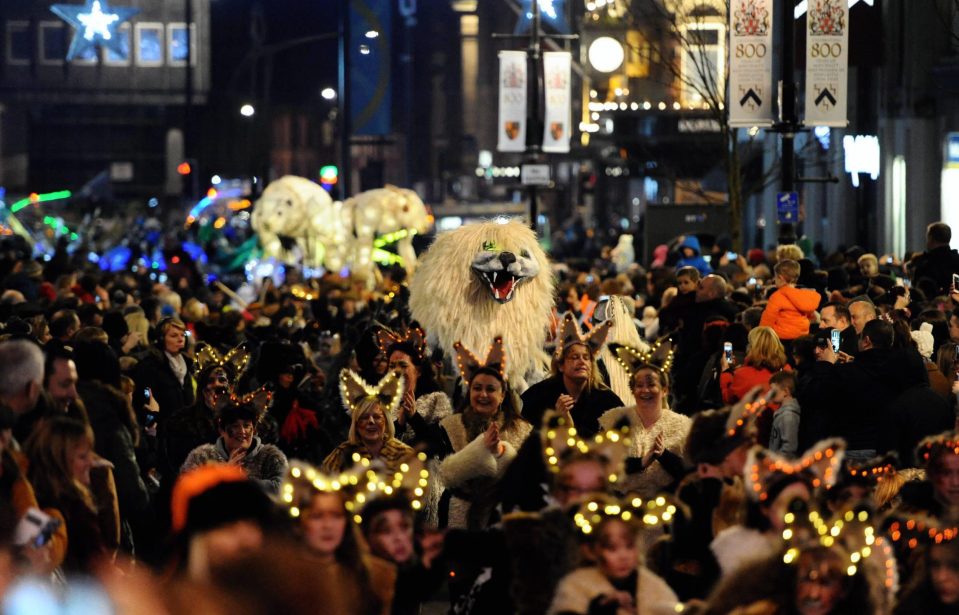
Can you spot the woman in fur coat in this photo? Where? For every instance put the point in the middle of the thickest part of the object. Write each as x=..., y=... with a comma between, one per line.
x=658, y=434
x=476, y=446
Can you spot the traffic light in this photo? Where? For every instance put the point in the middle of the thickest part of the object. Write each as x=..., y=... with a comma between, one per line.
x=329, y=175
x=184, y=168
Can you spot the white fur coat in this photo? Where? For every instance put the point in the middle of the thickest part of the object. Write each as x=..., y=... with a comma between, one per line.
x=673, y=426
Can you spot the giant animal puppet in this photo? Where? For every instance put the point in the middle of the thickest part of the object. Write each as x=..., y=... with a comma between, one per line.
x=382, y=211
x=294, y=212
x=486, y=280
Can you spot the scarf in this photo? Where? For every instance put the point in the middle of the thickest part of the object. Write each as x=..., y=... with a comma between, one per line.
x=178, y=365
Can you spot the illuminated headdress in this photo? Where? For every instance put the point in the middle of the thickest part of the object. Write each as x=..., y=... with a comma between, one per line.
x=259, y=399
x=853, y=535
x=934, y=446
x=388, y=392
x=363, y=483
x=632, y=509
x=819, y=467
x=659, y=355
x=562, y=443
x=236, y=359
x=415, y=336
x=468, y=363
x=569, y=335
x=868, y=473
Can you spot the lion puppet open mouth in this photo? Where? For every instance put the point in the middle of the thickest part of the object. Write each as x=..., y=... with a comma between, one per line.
x=483, y=280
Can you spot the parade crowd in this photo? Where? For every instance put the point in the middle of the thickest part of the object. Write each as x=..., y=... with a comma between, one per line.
x=769, y=432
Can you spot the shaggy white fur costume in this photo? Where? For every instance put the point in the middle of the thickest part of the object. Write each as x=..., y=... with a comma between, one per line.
x=484, y=280
x=624, y=333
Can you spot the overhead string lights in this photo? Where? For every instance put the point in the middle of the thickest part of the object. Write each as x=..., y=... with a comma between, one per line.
x=365, y=482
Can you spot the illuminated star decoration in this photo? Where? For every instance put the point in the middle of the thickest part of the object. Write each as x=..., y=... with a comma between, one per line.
x=96, y=24
x=551, y=13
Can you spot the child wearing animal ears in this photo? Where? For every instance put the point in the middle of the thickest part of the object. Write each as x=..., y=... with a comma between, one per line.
x=389, y=529
x=616, y=583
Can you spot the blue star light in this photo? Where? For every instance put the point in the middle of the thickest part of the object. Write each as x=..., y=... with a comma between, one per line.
x=96, y=24
x=551, y=13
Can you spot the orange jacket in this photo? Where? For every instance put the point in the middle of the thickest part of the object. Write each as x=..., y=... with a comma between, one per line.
x=788, y=311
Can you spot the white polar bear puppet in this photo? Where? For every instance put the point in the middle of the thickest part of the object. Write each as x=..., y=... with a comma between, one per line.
x=381, y=211
x=294, y=211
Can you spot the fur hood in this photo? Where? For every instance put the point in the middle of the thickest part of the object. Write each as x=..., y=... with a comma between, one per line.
x=580, y=587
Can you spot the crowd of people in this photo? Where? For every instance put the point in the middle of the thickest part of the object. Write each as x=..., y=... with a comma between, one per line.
x=770, y=432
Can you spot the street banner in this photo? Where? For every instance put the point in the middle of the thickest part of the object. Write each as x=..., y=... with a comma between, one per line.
x=370, y=75
x=512, y=102
x=827, y=62
x=557, y=120
x=750, y=63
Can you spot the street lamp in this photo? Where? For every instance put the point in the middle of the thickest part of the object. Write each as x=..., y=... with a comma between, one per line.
x=247, y=110
x=328, y=93
x=606, y=54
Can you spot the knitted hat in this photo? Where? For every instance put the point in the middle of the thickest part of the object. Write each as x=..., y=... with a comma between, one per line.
x=924, y=340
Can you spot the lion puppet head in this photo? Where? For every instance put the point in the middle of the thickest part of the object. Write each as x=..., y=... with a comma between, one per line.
x=484, y=280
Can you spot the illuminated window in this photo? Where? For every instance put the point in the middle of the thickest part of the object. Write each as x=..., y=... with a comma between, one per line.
x=149, y=44
x=19, y=48
x=703, y=61
x=113, y=59
x=179, y=44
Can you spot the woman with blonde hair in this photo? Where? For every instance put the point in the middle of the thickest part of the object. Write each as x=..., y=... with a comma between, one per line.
x=61, y=456
x=372, y=433
x=765, y=356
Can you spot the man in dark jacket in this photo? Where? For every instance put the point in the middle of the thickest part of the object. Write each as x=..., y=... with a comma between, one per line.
x=916, y=413
x=938, y=262
x=691, y=358
x=863, y=389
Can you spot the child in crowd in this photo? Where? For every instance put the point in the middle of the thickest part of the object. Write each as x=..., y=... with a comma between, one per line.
x=784, y=438
x=789, y=308
x=687, y=279
x=617, y=584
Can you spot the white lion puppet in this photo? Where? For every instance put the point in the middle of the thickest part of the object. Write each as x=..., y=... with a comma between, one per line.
x=382, y=211
x=296, y=212
x=481, y=281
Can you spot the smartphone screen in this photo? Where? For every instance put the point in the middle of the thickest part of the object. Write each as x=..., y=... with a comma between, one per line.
x=955, y=281
x=835, y=340
x=728, y=351
x=730, y=256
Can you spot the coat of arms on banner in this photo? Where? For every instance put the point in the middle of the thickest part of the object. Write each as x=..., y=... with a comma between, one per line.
x=827, y=18
x=515, y=77
x=750, y=19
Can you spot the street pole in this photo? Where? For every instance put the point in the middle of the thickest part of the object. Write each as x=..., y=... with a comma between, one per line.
x=534, y=130
x=534, y=95
x=789, y=121
x=344, y=99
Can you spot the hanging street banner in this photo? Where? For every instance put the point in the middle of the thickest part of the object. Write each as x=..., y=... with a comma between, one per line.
x=556, y=123
x=750, y=63
x=827, y=62
x=512, y=102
